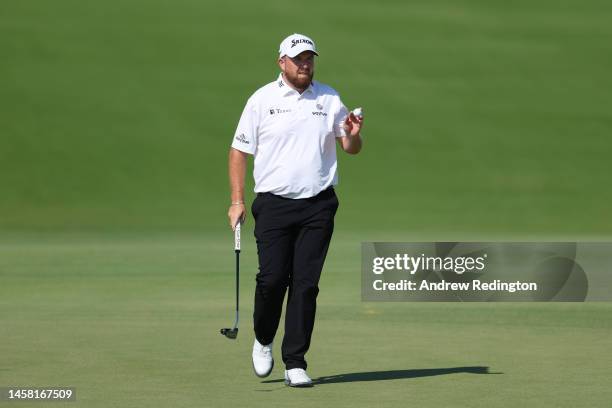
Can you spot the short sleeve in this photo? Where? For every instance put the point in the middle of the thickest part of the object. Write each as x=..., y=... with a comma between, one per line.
x=245, y=137
x=339, y=117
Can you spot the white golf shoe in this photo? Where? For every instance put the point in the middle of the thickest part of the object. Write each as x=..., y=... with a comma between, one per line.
x=262, y=359
x=297, y=377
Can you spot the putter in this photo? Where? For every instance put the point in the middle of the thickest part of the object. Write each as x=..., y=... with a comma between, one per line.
x=233, y=332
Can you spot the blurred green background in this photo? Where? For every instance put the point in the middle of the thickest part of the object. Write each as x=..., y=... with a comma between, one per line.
x=482, y=116
x=485, y=120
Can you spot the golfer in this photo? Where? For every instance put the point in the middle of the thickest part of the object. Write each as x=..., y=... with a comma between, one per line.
x=290, y=126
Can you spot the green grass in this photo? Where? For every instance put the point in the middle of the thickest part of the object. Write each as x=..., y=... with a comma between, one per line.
x=481, y=116
x=133, y=320
x=485, y=120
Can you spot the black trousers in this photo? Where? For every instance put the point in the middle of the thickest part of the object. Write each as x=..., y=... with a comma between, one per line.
x=292, y=237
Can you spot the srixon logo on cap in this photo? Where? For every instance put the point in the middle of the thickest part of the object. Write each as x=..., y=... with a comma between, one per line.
x=300, y=41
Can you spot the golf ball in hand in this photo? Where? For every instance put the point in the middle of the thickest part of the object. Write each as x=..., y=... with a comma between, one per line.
x=358, y=112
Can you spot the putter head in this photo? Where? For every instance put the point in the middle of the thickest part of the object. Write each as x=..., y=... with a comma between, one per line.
x=230, y=333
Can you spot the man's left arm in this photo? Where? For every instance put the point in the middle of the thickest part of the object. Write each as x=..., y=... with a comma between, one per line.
x=351, y=142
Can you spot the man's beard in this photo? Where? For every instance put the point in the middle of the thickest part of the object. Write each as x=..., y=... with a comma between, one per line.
x=300, y=81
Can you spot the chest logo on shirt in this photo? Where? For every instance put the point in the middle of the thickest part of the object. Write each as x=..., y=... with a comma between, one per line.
x=319, y=113
x=278, y=111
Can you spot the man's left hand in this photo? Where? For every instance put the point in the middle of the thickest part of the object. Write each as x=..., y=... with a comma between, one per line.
x=352, y=124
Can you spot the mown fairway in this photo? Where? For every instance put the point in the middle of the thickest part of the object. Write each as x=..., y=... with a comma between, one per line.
x=485, y=120
x=133, y=321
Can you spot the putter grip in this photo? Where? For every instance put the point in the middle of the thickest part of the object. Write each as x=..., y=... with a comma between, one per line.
x=237, y=237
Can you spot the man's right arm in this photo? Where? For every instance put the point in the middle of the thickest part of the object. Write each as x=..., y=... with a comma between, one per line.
x=244, y=143
x=237, y=171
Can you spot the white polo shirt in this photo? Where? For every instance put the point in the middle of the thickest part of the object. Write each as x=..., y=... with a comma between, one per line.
x=292, y=138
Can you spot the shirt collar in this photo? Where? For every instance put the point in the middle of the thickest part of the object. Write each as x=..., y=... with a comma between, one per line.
x=287, y=90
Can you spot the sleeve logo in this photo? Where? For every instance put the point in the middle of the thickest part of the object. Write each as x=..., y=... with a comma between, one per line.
x=242, y=138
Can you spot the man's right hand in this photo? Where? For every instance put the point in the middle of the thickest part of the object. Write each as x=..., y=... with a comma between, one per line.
x=236, y=212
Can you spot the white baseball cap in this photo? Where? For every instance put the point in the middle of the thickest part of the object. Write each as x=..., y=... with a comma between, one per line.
x=296, y=44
